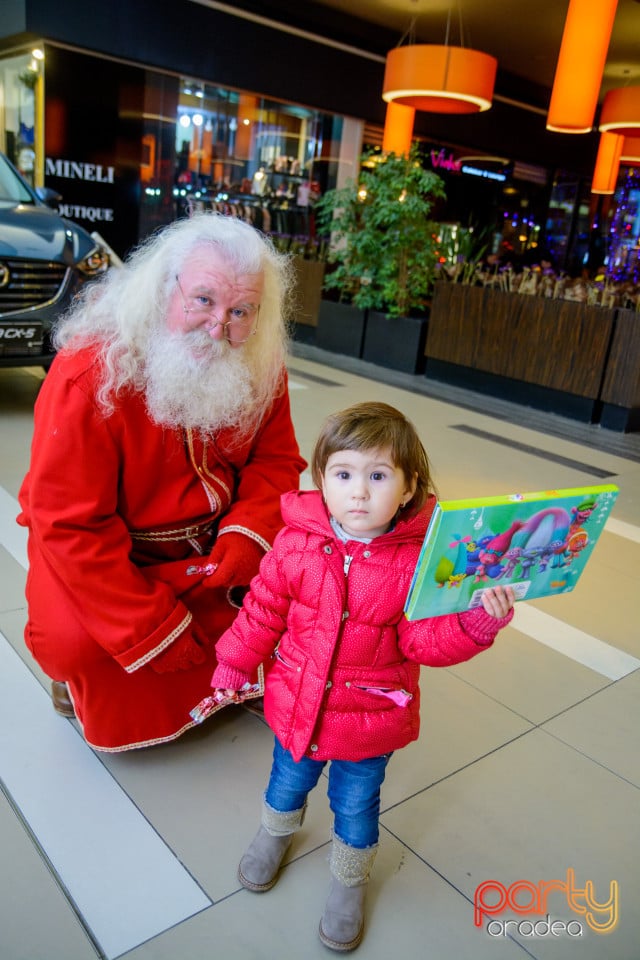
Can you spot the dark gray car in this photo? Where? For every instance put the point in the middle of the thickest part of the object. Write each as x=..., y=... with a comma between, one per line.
x=44, y=259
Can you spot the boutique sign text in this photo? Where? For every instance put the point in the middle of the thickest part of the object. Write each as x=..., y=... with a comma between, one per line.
x=93, y=191
x=74, y=170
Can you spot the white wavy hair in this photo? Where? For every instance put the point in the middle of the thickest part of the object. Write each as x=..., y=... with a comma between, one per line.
x=120, y=312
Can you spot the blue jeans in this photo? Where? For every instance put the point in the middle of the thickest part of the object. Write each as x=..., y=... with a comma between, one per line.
x=354, y=791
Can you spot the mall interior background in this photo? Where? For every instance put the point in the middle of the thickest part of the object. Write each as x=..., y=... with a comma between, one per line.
x=132, y=114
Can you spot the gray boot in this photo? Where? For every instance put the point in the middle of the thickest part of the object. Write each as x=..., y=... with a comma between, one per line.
x=342, y=923
x=258, y=870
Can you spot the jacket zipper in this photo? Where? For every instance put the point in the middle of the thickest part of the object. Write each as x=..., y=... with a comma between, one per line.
x=399, y=697
x=346, y=565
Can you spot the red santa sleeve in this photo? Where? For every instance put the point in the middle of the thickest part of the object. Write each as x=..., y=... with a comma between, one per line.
x=70, y=504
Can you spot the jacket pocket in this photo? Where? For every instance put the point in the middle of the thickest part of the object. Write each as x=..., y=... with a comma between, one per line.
x=287, y=662
x=286, y=674
x=397, y=695
x=283, y=690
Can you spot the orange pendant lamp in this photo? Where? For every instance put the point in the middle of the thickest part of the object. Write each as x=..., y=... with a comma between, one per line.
x=398, y=129
x=583, y=52
x=630, y=150
x=605, y=174
x=621, y=111
x=439, y=79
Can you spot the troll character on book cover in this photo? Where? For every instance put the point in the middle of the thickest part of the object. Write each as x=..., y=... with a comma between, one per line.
x=537, y=543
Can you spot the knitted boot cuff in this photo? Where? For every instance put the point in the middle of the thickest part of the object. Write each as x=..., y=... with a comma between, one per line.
x=351, y=865
x=281, y=823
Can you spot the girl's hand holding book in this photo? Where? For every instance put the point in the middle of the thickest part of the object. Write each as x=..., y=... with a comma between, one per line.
x=497, y=601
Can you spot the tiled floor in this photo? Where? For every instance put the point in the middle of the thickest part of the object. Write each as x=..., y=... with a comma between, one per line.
x=528, y=767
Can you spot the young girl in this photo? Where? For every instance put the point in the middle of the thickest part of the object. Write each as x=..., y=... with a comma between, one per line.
x=327, y=608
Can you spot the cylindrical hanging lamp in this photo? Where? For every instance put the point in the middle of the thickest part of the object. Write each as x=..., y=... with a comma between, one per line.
x=583, y=52
x=398, y=129
x=605, y=174
x=246, y=132
x=621, y=111
x=439, y=79
x=630, y=150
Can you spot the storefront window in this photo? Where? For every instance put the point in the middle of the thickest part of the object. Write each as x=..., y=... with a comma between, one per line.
x=242, y=154
x=205, y=147
x=19, y=92
x=237, y=143
x=162, y=146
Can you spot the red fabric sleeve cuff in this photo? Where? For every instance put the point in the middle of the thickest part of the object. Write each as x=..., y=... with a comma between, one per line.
x=481, y=626
x=226, y=677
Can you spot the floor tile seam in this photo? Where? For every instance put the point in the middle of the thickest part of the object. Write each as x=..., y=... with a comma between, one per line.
x=55, y=876
x=66, y=862
x=65, y=892
x=537, y=723
x=493, y=699
x=589, y=696
x=161, y=933
x=623, y=446
x=465, y=766
x=312, y=377
x=8, y=610
x=449, y=882
x=605, y=448
x=289, y=863
x=532, y=729
x=485, y=435
x=541, y=724
x=535, y=451
x=587, y=756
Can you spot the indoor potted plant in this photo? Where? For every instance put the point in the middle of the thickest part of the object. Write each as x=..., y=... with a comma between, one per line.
x=384, y=249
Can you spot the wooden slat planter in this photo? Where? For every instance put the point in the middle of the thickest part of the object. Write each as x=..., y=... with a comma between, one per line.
x=578, y=360
x=307, y=291
x=551, y=343
x=621, y=387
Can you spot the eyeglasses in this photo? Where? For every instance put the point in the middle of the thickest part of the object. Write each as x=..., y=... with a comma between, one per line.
x=239, y=329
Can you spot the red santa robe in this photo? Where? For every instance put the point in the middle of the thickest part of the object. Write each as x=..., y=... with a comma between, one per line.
x=121, y=515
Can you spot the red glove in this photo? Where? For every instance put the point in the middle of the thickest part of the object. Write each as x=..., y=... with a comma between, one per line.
x=186, y=651
x=237, y=559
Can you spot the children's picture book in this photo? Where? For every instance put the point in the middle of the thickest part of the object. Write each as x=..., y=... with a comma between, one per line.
x=538, y=543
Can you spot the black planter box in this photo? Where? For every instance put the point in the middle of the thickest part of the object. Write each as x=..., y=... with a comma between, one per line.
x=395, y=342
x=340, y=328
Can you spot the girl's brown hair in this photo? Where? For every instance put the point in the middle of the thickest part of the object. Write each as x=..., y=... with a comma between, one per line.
x=375, y=426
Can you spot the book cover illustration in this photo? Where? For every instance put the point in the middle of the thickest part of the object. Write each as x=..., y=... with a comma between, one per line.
x=538, y=543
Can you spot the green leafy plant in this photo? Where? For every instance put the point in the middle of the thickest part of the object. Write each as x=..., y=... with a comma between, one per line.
x=28, y=78
x=383, y=244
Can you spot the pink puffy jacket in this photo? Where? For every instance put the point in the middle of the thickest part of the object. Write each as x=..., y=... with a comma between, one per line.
x=343, y=679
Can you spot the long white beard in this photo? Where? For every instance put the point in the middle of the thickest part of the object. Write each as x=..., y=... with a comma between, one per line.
x=198, y=383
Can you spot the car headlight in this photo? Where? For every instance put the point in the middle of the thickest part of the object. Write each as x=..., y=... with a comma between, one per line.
x=95, y=263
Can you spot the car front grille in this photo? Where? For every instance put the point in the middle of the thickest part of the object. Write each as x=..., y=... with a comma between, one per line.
x=29, y=284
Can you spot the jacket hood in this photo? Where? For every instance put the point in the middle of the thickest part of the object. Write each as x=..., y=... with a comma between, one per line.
x=306, y=510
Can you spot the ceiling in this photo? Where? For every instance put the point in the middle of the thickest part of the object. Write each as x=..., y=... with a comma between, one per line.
x=524, y=37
